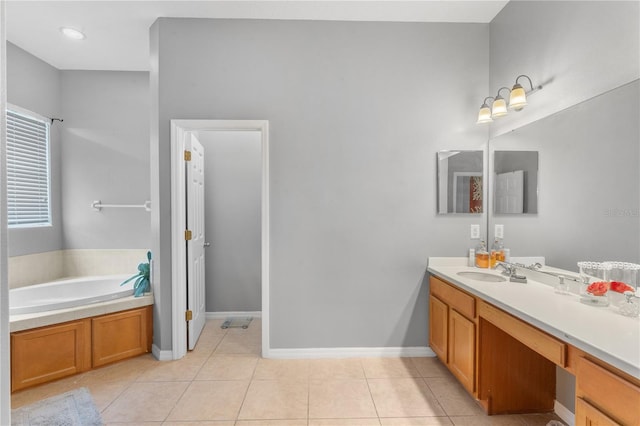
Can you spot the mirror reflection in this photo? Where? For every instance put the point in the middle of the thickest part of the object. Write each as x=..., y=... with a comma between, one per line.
x=460, y=182
x=515, y=181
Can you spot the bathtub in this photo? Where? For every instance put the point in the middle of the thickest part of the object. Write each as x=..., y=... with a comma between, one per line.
x=68, y=293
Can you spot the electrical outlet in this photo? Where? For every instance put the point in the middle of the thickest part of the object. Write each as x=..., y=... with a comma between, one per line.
x=475, y=232
x=499, y=231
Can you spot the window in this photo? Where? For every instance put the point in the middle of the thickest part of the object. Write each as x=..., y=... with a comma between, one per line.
x=27, y=170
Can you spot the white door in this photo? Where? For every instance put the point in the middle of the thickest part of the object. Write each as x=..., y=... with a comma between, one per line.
x=196, y=245
x=510, y=192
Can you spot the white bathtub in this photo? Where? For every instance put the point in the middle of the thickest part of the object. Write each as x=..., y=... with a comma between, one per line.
x=68, y=293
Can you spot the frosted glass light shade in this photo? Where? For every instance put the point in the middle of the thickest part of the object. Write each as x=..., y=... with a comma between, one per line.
x=518, y=98
x=499, y=107
x=484, y=116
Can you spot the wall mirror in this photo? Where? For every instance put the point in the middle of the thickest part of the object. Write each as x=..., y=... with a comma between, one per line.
x=515, y=182
x=460, y=182
x=588, y=205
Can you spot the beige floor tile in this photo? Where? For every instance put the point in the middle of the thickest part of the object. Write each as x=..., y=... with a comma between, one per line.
x=210, y=400
x=344, y=422
x=335, y=369
x=430, y=367
x=134, y=424
x=184, y=369
x=47, y=390
x=540, y=419
x=339, y=399
x=228, y=367
x=453, y=398
x=484, y=420
x=276, y=399
x=213, y=423
x=282, y=369
x=385, y=368
x=416, y=421
x=237, y=343
x=278, y=422
x=104, y=393
x=404, y=397
x=145, y=402
x=124, y=371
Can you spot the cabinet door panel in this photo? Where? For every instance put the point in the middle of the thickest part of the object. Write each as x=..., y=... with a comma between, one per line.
x=588, y=415
x=462, y=334
x=438, y=324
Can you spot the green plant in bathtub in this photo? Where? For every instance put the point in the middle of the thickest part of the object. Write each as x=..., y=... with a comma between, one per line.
x=141, y=283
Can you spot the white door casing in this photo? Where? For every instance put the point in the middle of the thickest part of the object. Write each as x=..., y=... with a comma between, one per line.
x=196, y=245
x=179, y=130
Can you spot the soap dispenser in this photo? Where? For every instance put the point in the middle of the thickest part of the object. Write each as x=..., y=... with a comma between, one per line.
x=482, y=255
x=497, y=252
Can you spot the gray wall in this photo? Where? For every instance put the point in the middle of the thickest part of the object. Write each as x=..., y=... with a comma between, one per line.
x=100, y=151
x=589, y=154
x=105, y=156
x=34, y=85
x=233, y=185
x=576, y=49
x=356, y=113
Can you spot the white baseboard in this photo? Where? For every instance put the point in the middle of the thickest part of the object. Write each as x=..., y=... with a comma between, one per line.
x=233, y=314
x=302, y=353
x=161, y=355
x=564, y=413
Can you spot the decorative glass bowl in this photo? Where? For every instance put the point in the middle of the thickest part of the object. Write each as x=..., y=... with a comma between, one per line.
x=624, y=278
x=595, y=284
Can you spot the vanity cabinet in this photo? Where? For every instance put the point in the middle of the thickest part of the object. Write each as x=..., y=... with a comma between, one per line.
x=604, y=397
x=509, y=365
x=452, y=330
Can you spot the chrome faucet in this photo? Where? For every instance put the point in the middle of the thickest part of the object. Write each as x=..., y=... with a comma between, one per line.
x=511, y=271
x=508, y=269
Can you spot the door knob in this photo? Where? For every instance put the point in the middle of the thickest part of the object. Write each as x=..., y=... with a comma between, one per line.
x=205, y=245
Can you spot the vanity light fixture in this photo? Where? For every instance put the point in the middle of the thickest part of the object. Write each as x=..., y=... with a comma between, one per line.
x=72, y=33
x=484, y=116
x=517, y=101
x=499, y=107
x=518, y=97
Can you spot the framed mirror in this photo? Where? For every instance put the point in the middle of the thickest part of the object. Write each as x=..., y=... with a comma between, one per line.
x=515, y=182
x=460, y=182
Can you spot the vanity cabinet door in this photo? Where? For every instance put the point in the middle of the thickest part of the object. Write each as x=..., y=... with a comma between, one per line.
x=588, y=415
x=438, y=327
x=462, y=338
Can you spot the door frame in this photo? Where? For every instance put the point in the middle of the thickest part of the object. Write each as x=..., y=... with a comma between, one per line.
x=179, y=130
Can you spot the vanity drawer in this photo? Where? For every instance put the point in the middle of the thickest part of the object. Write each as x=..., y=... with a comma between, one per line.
x=549, y=347
x=607, y=392
x=460, y=301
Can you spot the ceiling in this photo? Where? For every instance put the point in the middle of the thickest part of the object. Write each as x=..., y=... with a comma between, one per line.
x=117, y=31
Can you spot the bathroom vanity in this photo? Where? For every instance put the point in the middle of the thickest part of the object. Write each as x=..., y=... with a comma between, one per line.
x=503, y=341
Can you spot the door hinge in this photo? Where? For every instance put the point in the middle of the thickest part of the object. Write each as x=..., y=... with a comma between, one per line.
x=187, y=235
x=187, y=156
x=188, y=315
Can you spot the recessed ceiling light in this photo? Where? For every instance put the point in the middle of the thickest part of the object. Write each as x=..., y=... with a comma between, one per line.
x=72, y=33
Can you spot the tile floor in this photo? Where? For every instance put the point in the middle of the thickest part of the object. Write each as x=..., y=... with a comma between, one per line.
x=225, y=382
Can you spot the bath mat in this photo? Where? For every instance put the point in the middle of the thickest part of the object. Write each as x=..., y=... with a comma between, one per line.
x=75, y=408
x=237, y=322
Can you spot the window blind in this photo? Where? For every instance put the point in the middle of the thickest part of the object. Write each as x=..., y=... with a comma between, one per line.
x=27, y=171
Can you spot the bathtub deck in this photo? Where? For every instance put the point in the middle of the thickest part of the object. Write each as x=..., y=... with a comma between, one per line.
x=41, y=319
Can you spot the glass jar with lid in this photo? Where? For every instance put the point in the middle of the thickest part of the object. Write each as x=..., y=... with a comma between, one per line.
x=595, y=283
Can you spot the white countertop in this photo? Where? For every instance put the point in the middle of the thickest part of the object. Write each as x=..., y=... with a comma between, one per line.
x=599, y=331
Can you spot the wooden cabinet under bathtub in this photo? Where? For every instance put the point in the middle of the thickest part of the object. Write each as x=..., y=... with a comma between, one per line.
x=48, y=353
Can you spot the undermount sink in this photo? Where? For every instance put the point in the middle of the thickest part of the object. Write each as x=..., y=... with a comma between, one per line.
x=482, y=276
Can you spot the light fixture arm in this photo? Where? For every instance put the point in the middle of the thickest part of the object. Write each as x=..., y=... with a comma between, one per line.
x=527, y=77
x=499, y=90
x=484, y=103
